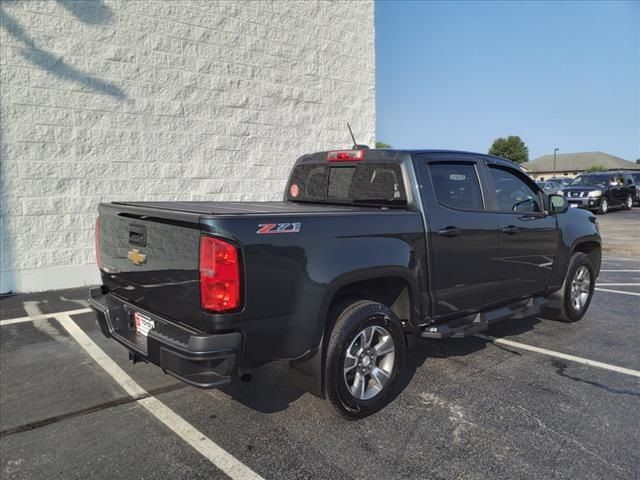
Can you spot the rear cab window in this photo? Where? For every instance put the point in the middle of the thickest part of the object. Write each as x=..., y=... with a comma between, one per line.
x=365, y=183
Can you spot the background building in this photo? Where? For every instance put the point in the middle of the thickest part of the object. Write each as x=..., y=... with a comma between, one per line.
x=572, y=164
x=116, y=100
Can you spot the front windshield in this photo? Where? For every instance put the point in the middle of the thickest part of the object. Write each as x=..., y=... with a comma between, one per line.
x=589, y=181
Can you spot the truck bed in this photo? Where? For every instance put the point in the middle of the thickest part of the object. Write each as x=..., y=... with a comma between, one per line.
x=150, y=250
x=247, y=208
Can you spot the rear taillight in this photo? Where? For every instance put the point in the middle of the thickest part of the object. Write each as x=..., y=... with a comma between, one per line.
x=346, y=156
x=97, y=244
x=219, y=275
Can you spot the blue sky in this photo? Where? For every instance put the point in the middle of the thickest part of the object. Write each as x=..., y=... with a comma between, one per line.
x=559, y=74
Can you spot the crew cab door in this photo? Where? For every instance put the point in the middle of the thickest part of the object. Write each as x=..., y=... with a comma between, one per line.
x=462, y=235
x=528, y=237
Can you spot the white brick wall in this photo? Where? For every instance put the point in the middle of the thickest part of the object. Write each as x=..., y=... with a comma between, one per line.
x=160, y=100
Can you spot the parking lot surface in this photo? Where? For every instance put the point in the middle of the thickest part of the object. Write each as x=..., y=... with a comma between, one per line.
x=620, y=231
x=529, y=400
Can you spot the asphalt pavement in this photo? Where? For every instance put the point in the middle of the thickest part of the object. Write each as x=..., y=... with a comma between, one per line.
x=620, y=230
x=535, y=399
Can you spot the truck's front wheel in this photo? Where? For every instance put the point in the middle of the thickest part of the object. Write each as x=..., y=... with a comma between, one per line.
x=604, y=206
x=578, y=288
x=364, y=358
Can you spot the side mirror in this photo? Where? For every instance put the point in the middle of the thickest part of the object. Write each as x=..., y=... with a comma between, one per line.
x=558, y=204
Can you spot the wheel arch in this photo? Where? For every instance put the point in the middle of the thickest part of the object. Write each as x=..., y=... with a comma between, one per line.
x=592, y=249
x=391, y=286
x=390, y=289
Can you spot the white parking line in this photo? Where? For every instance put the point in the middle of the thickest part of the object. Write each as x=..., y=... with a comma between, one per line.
x=634, y=294
x=618, y=284
x=604, y=259
x=219, y=457
x=623, y=270
x=42, y=316
x=564, y=356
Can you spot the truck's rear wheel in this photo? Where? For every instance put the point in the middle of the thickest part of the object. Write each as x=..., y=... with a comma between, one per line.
x=578, y=288
x=364, y=358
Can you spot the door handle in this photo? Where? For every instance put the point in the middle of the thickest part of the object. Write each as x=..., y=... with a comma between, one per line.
x=510, y=230
x=450, y=232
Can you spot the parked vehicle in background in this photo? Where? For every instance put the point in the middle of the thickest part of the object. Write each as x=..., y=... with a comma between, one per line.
x=367, y=249
x=549, y=187
x=601, y=191
x=634, y=186
x=564, y=181
x=632, y=177
x=636, y=180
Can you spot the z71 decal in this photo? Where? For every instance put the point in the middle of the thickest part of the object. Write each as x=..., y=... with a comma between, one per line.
x=278, y=228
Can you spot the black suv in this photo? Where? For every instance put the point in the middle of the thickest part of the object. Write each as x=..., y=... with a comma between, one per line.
x=601, y=191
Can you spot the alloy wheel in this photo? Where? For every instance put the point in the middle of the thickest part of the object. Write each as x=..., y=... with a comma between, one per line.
x=580, y=288
x=368, y=363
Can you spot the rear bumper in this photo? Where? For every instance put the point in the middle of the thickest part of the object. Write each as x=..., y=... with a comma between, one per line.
x=199, y=359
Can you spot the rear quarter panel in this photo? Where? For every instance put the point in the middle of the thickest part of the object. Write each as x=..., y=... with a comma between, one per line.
x=290, y=278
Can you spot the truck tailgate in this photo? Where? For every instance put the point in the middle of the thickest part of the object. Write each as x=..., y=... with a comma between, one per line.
x=149, y=258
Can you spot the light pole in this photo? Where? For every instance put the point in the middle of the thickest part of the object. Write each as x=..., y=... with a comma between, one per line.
x=555, y=151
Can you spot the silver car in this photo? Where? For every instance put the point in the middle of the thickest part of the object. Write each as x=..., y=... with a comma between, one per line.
x=549, y=187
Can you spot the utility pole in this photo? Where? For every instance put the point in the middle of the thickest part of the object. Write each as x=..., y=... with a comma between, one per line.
x=555, y=151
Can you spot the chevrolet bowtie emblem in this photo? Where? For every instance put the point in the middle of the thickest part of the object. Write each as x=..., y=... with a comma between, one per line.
x=136, y=257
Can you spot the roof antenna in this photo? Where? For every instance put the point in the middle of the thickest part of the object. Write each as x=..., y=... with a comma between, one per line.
x=355, y=144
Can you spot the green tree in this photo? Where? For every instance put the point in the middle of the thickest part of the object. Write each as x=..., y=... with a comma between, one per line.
x=511, y=147
x=596, y=168
x=638, y=161
x=382, y=145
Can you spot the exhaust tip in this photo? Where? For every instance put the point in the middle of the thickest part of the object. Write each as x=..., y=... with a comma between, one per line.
x=245, y=374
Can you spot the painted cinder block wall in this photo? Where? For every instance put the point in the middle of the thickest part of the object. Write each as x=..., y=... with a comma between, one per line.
x=159, y=100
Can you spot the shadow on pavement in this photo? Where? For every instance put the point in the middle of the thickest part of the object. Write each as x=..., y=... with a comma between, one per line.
x=269, y=391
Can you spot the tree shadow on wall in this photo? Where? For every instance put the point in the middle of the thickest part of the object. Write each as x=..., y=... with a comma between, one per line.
x=91, y=12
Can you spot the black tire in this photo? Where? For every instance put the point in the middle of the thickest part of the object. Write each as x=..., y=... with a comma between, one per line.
x=357, y=317
x=569, y=312
x=628, y=203
x=604, y=206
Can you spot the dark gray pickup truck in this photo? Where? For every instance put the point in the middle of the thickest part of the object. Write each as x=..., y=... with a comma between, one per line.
x=367, y=249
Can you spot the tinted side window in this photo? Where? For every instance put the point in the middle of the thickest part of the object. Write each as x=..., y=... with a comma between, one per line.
x=456, y=185
x=512, y=193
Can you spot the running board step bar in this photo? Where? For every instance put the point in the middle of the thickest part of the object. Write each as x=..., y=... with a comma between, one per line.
x=466, y=326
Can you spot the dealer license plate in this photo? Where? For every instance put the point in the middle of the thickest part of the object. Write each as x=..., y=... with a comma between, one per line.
x=143, y=323
x=574, y=205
